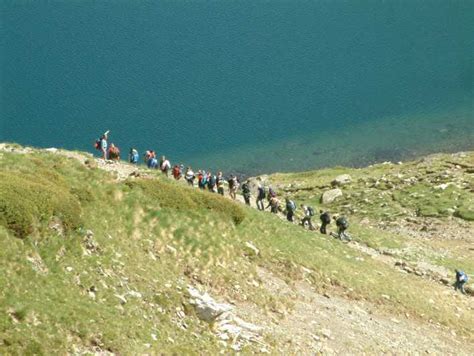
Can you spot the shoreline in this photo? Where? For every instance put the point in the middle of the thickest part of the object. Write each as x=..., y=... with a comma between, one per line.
x=18, y=148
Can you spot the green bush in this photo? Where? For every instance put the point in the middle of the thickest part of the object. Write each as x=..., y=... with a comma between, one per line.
x=466, y=213
x=29, y=201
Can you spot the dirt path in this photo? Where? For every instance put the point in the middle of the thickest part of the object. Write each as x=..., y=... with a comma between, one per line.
x=333, y=325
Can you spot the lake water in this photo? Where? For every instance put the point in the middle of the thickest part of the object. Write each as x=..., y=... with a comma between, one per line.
x=249, y=86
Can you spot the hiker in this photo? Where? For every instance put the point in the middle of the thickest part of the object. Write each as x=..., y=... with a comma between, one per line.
x=342, y=225
x=260, y=196
x=271, y=193
x=290, y=209
x=274, y=205
x=233, y=186
x=325, y=221
x=220, y=183
x=114, y=153
x=211, y=182
x=189, y=176
x=308, y=215
x=246, y=192
x=150, y=159
x=202, y=180
x=133, y=156
x=176, y=172
x=101, y=144
x=165, y=165
x=461, y=280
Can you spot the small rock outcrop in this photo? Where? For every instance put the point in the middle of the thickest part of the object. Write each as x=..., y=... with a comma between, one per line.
x=341, y=180
x=227, y=325
x=330, y=195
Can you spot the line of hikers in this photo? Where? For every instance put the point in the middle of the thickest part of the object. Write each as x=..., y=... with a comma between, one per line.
x=215, y=184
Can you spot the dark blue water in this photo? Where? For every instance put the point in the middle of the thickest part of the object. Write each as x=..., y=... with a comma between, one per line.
x=198, y=80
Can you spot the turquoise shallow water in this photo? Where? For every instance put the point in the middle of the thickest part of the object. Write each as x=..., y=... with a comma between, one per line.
x=252, y=86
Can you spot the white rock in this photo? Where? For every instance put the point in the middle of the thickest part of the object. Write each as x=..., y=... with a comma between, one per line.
x=342, y=180
x=330, y=195
x=206, y=307
x=134, y=294
x=252, y=247
x=442, y=186
x=121, y=298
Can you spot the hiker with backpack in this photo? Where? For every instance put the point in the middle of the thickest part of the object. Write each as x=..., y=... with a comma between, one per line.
x=101, y=144
x=211, y=182
x=114, y=153
x=165, y=165
x=176, y=172
x=220, y=183
x=233, y=186
x=260, y=196
x=274, y=205
x=271, y=193
x=325, y=221
x=461, y=280
x=189, y=176
x=308, y=215
x=342, y=225
x=202, y=180
x=290, y=209
x=150, y=159
x=133, y=156
x=246, y=192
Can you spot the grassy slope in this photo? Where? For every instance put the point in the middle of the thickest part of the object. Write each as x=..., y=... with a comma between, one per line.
x=155, y=244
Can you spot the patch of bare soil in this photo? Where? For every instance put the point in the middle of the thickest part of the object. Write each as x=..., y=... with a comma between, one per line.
x=333, y=325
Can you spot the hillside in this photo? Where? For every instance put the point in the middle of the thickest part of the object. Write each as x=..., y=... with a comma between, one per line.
x=101, y=258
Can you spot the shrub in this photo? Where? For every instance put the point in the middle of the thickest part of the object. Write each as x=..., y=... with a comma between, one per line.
x=27, y=201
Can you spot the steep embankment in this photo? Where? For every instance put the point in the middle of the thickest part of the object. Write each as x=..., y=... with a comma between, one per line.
x=101, y=257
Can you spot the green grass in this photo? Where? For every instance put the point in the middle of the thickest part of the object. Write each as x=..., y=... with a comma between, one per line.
x=155, y=237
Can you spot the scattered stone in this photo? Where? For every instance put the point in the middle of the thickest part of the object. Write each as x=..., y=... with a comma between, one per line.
x=330, y=195
x=252, y=249
x=121, y=298
x=326, y=333
x=341, y=180
x=442, y=186
x=134, y=294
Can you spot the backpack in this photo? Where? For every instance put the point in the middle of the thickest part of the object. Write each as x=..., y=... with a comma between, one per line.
x=97, y=144
x=290, y=206
x=342, y=221
x=134, y=157
x=245, y=188
x=272, y=193
x=176, y=171
x=261, y=193
x=310, y=211
x=462, y=277
x=231, y=183
x=212, y=182
x=325, y=218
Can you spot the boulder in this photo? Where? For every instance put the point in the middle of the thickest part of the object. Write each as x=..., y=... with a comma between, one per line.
x=341, y=180
x=330, y=195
